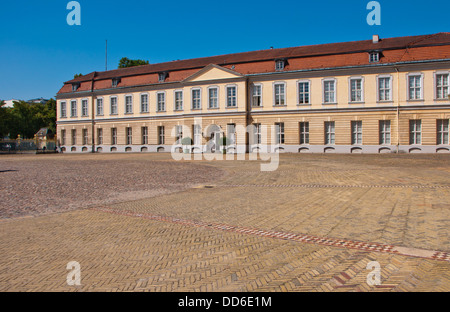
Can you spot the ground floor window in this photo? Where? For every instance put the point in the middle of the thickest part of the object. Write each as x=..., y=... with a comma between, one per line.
x=279, y=133
x=442, y=131
x=304, y=133
x=356, y=132
x=330, y=132
x=385, y=132
x=415, y=132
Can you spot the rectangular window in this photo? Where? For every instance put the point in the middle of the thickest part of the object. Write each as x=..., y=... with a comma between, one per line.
x=114, y=107
x=304, y=133
x=63, y=137
x=279, y=133
x=356, y=90
x=63, y=112
x=231, y=133
x=303, y=93
x=279, y=93
x=74, y=137
x=85, y=137
x=329, y=91
x=257, y=96
x=442, y=86
x=178, y=100
x=129, y=135
x=384, y=89
x=161, y=97
x=385, y=132
x=197, y=130
x=415, y=132
x=213, y=100
x=279, y=64
x=73, y=108
x=442, y=131
x=144, y=135
x=231, y=97
x=99, y=136
x=196, y=99
x=161, y=135
x=100, y=107
x=144, y=103
x=374, y=57
x=178, y=134
x=415, y=87
x=84, y=108
x=257, y=133
x=113, y=136
x=356, y=132
x=329, y=132
x=128, y=104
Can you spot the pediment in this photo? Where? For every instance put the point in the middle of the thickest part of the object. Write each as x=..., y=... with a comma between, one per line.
x=213, y=72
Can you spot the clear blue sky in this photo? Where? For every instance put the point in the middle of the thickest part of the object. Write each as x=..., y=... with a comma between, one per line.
x=39, y=50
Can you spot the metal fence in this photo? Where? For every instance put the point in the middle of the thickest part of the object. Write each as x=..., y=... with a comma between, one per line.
x=33, y=146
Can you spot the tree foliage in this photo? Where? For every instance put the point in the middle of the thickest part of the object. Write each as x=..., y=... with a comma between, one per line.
x=27, y=118
x=126, y=62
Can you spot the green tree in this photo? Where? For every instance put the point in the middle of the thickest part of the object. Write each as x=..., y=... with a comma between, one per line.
x=126, y=62
x=4, y=119
x=77, y=75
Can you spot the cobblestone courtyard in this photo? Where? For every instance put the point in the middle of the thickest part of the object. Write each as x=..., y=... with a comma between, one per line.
x=143, y=222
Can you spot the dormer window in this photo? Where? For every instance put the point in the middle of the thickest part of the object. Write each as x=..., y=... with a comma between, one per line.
x=162, y=76
x=280, y=64
x=115, y=82
x=374, y=57
x=75, y=87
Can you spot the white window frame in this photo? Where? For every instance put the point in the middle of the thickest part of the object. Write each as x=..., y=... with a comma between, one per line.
x=63, y=137
x=216, y=97
x=161, y=101
x=178, y=134
x=350, y=90
x=280, y=133
x=84, y=107
x=254, y=87
x=195, y=99
x=301, y=93
x=379, y=90
x=374, y=57
x=177, y=102
x=324, y=82
x=197, y=134
x=330, y=132
x=73, y=137
x=257, y=133
x=384, y=132
x=63, y=109
x=442, y=134
x=85, y=136
x=303, y=127
x=280, y=65
x=161, y=135
x=144, y=106
x=415, y=131
x=114, y=111
x=113, y=136
x=445, y=95
x=232, y=100
x=144, y=135
x=73, y=109
x=127, y=105
x=99, y=108
x=231, y=133
x=357, y=132
x=99, y=136
x=280, y=96
x=408, y=88
x=128, y=135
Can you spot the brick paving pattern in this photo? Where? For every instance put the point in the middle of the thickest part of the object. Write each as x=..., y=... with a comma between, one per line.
x=226, y=226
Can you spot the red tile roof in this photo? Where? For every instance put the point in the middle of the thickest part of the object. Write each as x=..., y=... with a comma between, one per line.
x=401, y=49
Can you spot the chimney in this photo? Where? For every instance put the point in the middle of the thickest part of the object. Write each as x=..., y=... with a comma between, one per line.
x=375, y=38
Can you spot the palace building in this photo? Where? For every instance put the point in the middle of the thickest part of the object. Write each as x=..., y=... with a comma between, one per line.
x=373, y=96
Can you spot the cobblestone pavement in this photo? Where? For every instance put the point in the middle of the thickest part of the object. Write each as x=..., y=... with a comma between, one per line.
x=236, y=228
